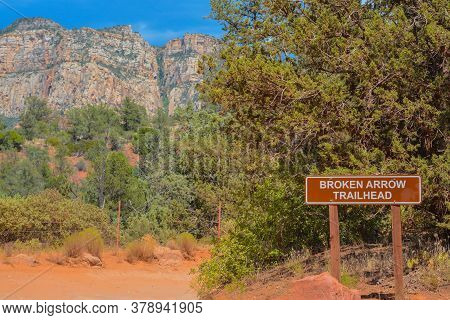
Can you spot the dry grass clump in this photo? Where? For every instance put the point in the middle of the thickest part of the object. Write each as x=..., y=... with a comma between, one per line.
x=88, y=240
x=184, y=242
x=141, y=250
x=427, y=266
x=295, y=266
x=8, y=249
x=172, y=244
x=436, y=272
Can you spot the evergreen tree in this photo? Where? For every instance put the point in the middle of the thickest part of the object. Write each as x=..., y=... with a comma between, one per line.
x=329, y=87
x=35, y=120
x=133, y=115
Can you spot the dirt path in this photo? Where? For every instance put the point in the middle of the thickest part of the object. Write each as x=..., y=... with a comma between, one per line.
x=117, y=280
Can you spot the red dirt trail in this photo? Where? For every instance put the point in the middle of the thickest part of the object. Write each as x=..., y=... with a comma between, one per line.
x=116, y=280
x=162, y=280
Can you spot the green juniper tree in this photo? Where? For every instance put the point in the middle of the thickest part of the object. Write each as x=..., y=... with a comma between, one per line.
x=37, y=119
x=133, y=116
x=330, y=87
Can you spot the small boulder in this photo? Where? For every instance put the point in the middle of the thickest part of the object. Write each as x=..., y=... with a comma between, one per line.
x=92, y=260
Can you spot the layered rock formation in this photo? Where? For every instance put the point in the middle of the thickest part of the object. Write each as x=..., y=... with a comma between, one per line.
x=72, y=68
x=179, y=64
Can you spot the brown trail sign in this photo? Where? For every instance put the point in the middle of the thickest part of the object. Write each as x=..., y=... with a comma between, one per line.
x=365, y=190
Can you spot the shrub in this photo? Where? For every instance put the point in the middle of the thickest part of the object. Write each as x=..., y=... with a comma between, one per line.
x=295, y=265
x=49, y=217
x=141, y=250
x=172, y=244
x=53, y=141
x=20, y=177
x=73, y=246
x=94, y=241
x=437, y=271
x=37, y=120
x=30, y=246
x=207, y=241
x=186, y=243
x=137, y=227
x=229, y=264
x=88, y=240
x=11, y=140
x=349, y=280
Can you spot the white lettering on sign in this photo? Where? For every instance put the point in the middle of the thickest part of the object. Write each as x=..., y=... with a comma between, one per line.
x=358, y=184
x=366, y=195
x=363, y=190
x=352, y=184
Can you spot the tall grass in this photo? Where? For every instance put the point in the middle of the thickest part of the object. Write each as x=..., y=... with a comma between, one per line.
x=141, y=250
x=184, y=242
x=88, y=240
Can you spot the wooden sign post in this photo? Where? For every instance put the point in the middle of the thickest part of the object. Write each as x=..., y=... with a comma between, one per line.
x=335, y=243
x=365, y=190
x=397, y=251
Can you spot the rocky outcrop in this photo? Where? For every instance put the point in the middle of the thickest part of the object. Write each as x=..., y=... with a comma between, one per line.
x=71, y=68
x=179, y=68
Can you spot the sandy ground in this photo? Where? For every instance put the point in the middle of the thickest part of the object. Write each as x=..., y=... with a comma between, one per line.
x=116, y=280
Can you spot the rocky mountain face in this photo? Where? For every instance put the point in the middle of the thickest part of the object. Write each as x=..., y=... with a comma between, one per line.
x=179, y=65
x=71, y=68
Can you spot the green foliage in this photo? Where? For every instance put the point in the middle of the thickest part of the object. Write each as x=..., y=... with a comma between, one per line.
x=8, y=122
x=3, y=125
x=19, y=176
x=349, y=280
x=30, y=173
x=229, y=264
x=187, y=243
x=446, y=224
x=11, y=140
x=37, y=119
x=111, y=181
x=326, y=87
x=93, y=122
x=153, y=143
x=40, y=159
x=133, y=116
x=142, y=249
x=28, y=247
x=169, y=204
x=437, y=271
x=118, y=174
x=137, y=227
x=48, y=217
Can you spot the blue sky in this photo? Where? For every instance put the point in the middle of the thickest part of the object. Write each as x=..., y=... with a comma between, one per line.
x=157, y=20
